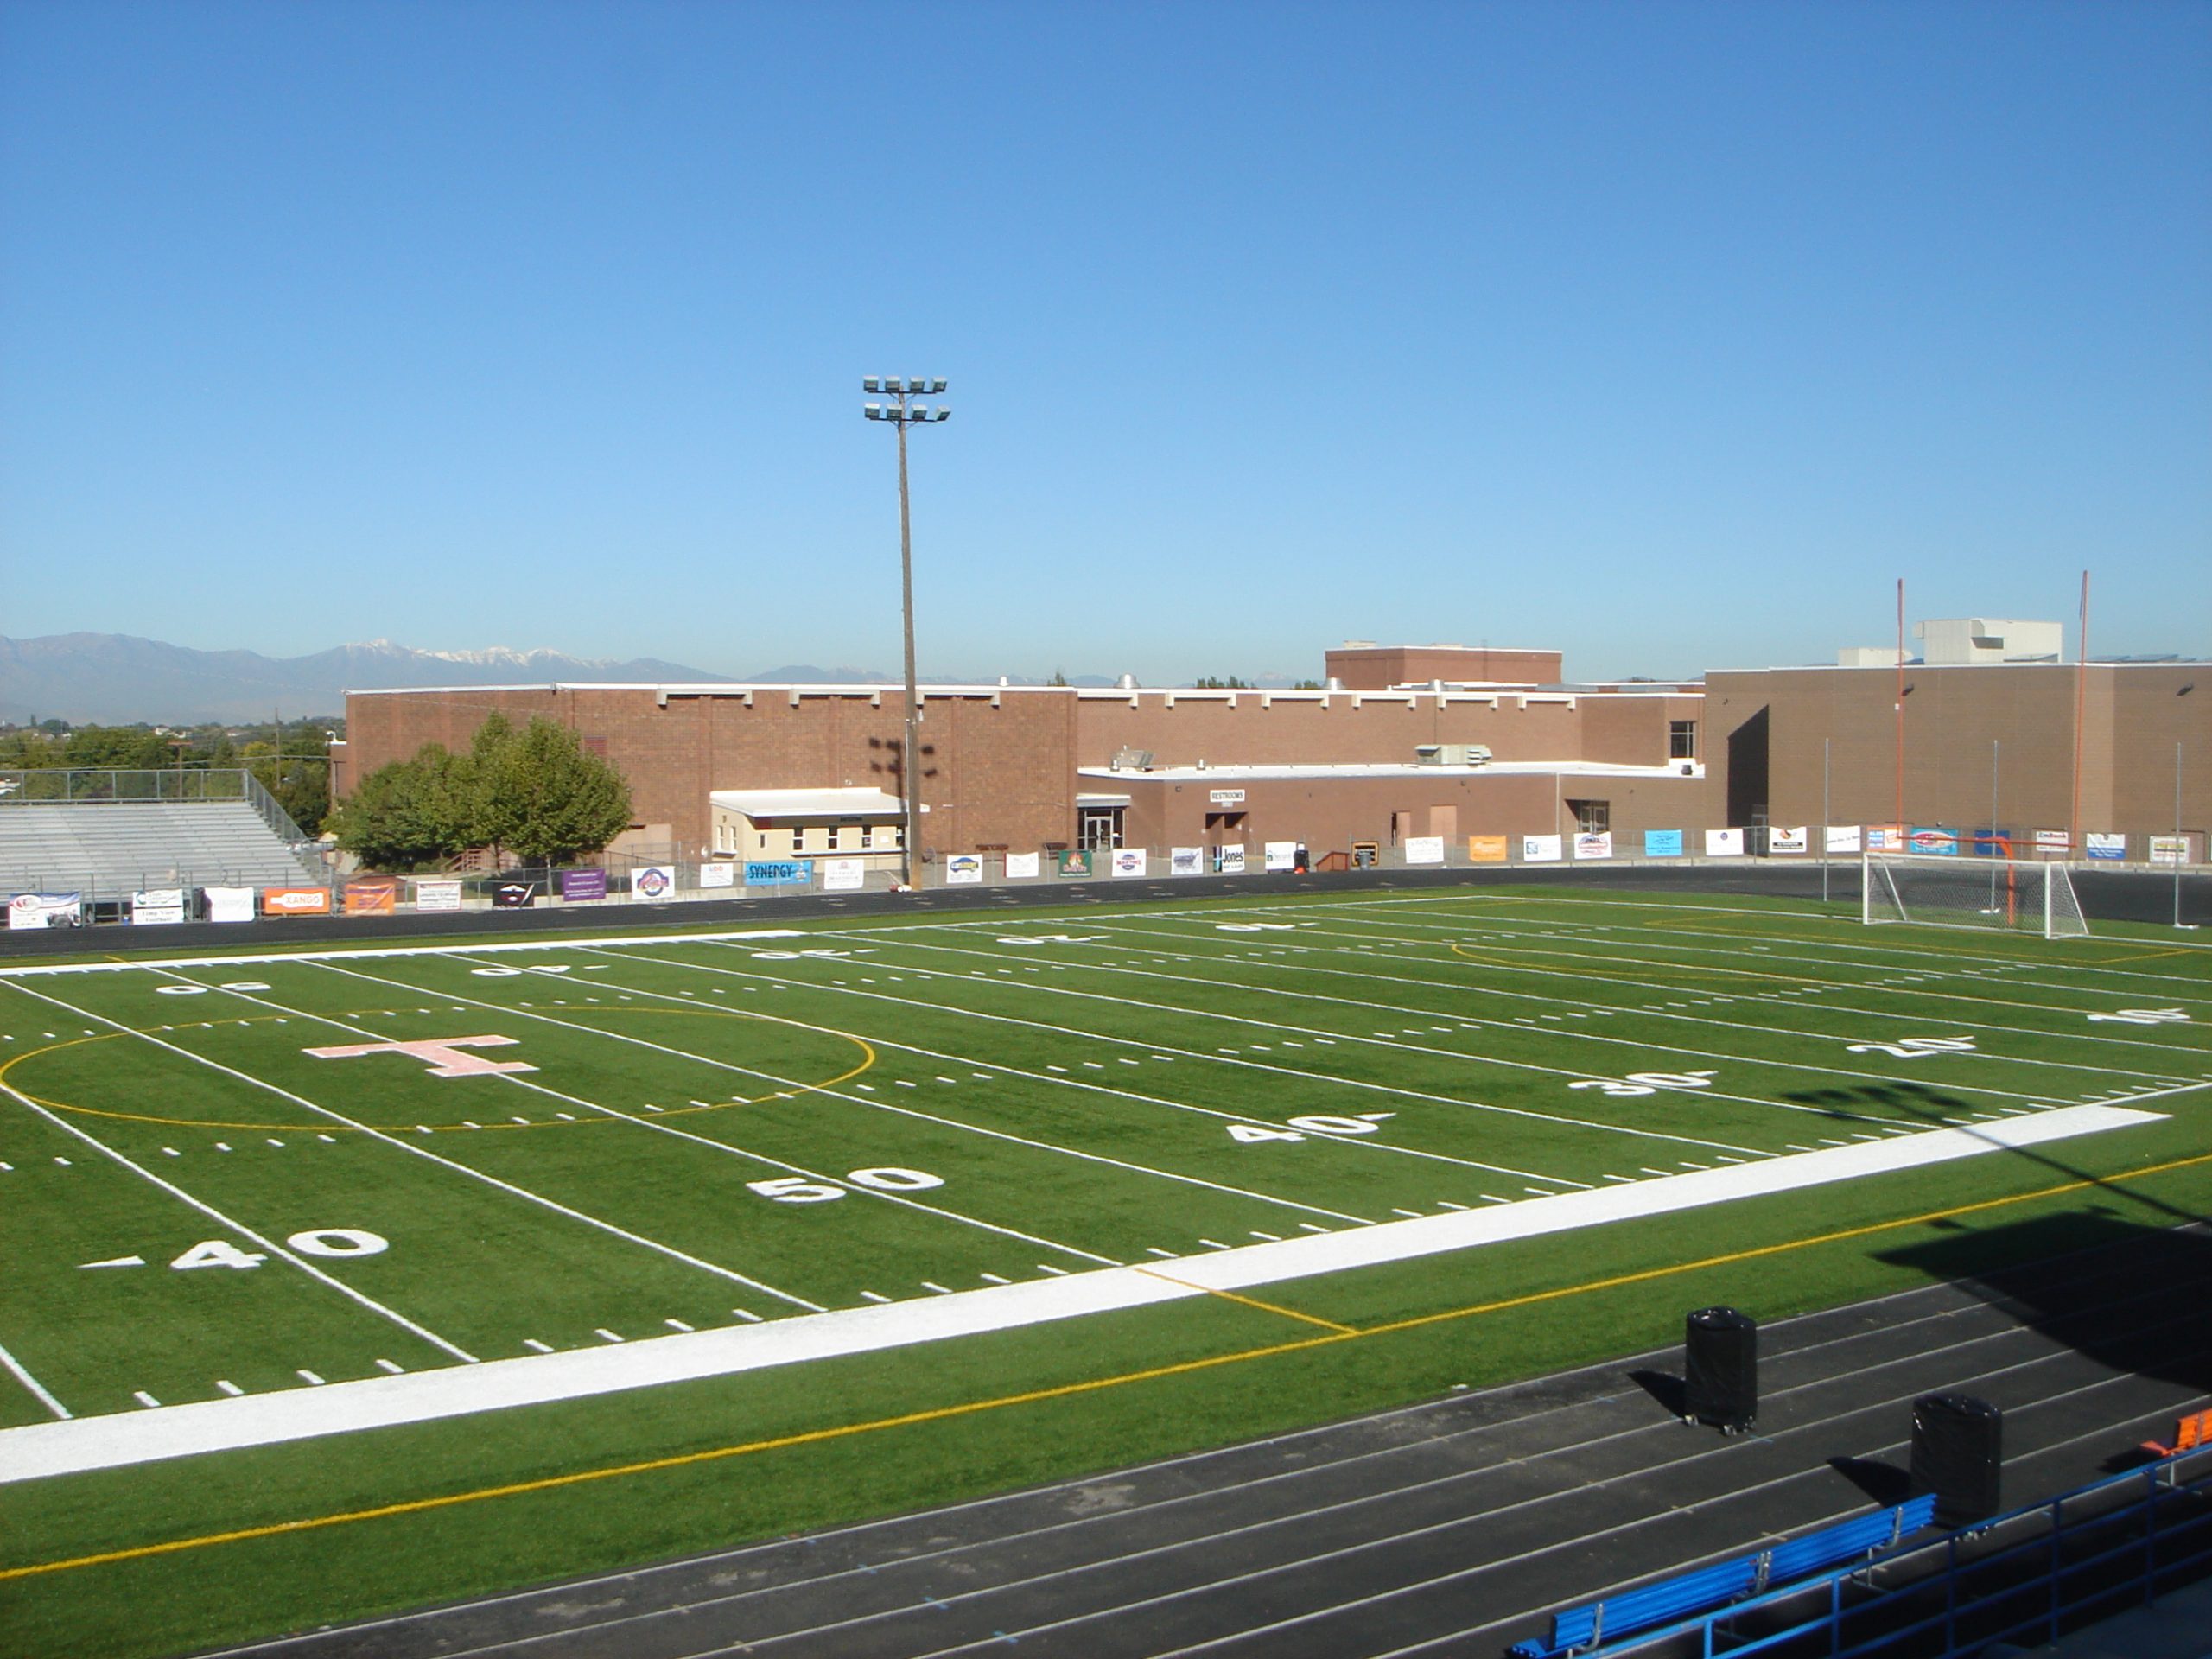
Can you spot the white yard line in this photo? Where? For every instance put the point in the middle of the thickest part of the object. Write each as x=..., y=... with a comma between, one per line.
x=41, y=1450
x=725, y=1147
x=424, y=1153
x=1746, y=995
x=17, y=1368
x=242, y=1229
x=876, y=1105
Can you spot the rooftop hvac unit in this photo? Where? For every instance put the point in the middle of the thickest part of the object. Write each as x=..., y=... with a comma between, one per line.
x=1132, y=760
x=1452, y=754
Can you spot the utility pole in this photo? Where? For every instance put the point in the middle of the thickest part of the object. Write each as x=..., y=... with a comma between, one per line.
x=902, y=414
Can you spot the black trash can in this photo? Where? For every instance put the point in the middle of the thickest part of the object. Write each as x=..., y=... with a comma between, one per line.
x=1721, y=1368
x=1958, y=1453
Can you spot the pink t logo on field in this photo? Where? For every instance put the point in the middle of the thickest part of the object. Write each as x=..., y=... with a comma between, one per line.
x=448, y=1055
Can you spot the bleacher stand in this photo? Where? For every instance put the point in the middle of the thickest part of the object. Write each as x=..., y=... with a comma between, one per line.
x=228, y=833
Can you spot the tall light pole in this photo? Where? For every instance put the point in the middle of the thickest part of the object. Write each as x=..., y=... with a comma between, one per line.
x=902, y=414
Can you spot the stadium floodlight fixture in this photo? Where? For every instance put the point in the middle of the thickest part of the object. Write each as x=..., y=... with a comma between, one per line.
x=903, y=414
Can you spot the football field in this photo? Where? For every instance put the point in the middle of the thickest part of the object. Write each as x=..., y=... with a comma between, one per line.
x=374, y=1273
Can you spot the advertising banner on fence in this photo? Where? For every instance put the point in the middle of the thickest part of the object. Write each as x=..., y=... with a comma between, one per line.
x=2169, y=849
x=229, y=904
x=157, y=908
x=1541, y=850
x=1724, y=843
x=1186, y=861
x=1228, y=861
x=1794, y=839
x=1487, y=849
x=843, y=874
x=1595, y=843
x=1884, y=838
x=1663, y=843
x=28, y=910
x=2053, y=841
x=1128, y=860
x=2104, y=844
x=1424, y=849
x=1021, y=867
x=718, y=875
x=1281, y=854
x=1844, y=838
x=654, y=883
x=295, y=901
x=437, y=895
x=515, y=895
x=1926, y=839
x=964, y=870
x=1072, y=863
x=371, y=898
x=778, y=872
x=582, y=886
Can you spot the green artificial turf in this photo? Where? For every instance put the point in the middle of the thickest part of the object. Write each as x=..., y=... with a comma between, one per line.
x=987, y=1098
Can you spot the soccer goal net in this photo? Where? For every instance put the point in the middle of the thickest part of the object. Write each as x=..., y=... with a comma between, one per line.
x=2009, y=894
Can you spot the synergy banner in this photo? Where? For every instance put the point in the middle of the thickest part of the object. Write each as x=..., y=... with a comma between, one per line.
x=1844, y=838
x=1541, y=850
x=229, y=904
x=28, y=910
x=964, y=870
x=1072, y=863
x=295, y=901
x=1021, y=867
x=1186, y=861
x=1797, y=839
x=1280, y=855
x=437, y=895
x=1663, y=843
x=371, y=898
x=778, y=872
x=718, y=875
x=843, y=874
x=1724, y=843
x=1128, y=860
x=1486, y=849
x=582, y=886
x=1424, y=849
x=2104, y=844
x=157, y=908
x=1595, y=843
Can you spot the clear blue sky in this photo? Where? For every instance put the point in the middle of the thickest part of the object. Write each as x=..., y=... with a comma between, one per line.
x=1668, y=334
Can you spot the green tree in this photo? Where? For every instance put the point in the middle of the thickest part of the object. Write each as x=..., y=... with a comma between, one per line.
x=409, y=814
x=544, y=797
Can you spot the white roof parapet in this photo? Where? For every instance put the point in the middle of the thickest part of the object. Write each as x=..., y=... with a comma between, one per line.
x=1322, y=771
x=808, y=803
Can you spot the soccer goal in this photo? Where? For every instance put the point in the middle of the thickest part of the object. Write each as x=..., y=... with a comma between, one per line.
x=2000, y=892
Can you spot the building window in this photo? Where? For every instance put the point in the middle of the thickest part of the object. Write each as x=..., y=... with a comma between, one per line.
x=1098, y=829
x=1682, y=740
x=1591, y=817
x=1216, y=822
x=868, y=836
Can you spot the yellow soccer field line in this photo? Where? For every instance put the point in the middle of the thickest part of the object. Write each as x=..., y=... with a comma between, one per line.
x=1068, y=1391
x=1251, y=1301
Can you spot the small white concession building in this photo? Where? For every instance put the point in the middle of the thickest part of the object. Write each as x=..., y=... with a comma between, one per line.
x=762, y=823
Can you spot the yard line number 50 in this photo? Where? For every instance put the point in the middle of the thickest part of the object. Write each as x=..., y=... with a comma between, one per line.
x=799, y=1189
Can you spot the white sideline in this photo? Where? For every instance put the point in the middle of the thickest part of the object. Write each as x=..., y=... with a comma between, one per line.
x=37, y=1451
x=349, y=952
